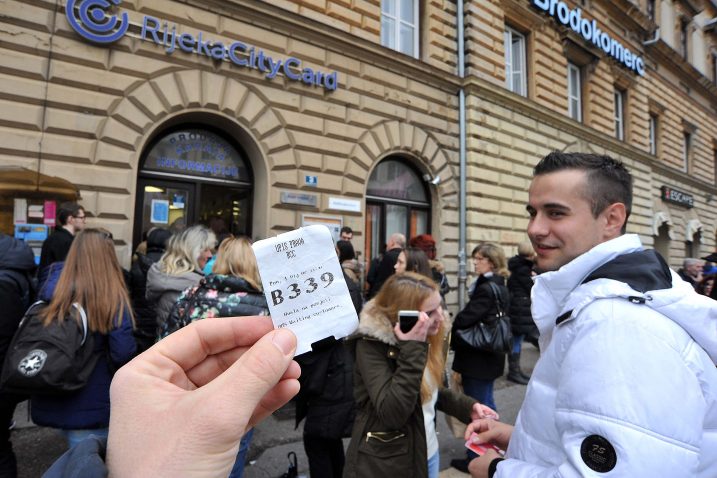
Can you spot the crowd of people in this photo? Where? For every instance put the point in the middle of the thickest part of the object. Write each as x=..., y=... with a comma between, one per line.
x=626, y=375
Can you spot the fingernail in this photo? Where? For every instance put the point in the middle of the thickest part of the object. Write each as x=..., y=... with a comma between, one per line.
x=285, y=341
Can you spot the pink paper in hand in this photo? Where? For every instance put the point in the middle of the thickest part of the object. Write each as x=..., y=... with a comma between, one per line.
x=481, y=448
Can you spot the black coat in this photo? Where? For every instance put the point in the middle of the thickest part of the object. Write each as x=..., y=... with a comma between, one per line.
x=481, y=306
x=383, y=271
x=56, y=247
x=144, y=314
x=326, y=397
x=519, y=285
x=17, y=263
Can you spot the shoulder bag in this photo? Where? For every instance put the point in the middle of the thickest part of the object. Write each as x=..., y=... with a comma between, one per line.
x=492, y=335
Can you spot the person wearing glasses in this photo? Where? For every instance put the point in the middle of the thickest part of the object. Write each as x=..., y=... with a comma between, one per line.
x=71, y=219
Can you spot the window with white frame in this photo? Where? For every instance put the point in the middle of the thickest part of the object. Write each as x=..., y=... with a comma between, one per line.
x=515, y=72
x=575, y=95
x=399, y=26
x=653, y=134
x=619, y=96
x=687, y=147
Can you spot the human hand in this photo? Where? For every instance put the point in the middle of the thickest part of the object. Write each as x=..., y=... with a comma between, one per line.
x=181, y=407
x=489, y=431
x=483, y=411
x=419, y=331
x=478, y=467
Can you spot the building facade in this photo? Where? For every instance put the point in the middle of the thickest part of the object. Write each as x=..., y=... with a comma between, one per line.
x=260, y=117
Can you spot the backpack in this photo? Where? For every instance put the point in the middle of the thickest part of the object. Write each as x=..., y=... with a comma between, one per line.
x=53, y=360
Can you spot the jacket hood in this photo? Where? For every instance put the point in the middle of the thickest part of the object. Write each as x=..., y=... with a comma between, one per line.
x=376, y=324
x=620, y=268
x=15, y=254
x=159, y=282
x=519, y=262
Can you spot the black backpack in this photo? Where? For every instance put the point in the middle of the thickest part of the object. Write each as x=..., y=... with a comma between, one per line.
x=53, y=360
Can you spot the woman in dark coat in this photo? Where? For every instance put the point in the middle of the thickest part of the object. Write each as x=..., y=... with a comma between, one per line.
x=520, y=284
x=398, y=384
x=479, y=369
x=92, y=278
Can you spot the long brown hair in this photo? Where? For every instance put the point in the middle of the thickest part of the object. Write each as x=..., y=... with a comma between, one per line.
x=93, y=278
x=408, y=291
x=236, y=257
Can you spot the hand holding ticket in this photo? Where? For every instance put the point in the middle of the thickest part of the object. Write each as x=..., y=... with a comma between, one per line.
x=304, y=285
x=481, y=448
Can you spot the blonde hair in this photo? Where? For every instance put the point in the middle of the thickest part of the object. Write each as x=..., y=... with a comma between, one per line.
x=525, y=249
x=92, y=277
x=408, y=291
x=184, y=248
x=236, y=257
x=494, y=253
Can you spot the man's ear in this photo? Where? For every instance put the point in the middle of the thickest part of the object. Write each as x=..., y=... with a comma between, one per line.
x=615, y=216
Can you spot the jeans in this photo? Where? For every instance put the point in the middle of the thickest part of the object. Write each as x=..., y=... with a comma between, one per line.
x=76, y=436
x=517, y=340
x=238, y=468
x=434, y=465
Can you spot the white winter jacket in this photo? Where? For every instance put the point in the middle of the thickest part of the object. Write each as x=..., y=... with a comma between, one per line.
x=626, y=384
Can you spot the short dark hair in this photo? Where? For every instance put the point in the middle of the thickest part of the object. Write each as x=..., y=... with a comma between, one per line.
x=347, y=230
x=607, y=180
x=66, y=210
x=346, y=250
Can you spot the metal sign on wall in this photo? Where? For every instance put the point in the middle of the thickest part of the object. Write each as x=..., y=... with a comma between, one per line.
x=675, y=196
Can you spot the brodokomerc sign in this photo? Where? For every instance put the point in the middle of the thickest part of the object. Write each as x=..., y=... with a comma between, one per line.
x=590, y=31
x=238, y=53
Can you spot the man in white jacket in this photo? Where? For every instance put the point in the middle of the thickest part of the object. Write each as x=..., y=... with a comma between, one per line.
x=626, y=385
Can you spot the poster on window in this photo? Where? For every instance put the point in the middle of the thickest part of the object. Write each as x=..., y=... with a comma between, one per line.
x=160, y=211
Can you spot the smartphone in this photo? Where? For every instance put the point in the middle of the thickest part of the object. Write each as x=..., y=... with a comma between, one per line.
x=407, y=319
x=481, y=448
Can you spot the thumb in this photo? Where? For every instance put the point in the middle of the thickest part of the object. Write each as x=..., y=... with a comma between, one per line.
x=253, y=384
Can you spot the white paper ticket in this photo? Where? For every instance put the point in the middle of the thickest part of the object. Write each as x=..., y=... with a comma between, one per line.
x=304, y=285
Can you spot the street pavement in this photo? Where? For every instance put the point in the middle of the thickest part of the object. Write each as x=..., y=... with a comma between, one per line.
x=38, y=447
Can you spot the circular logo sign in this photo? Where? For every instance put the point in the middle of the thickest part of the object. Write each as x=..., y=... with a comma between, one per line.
x=598, y=454
x=91, y=20
x=32, y=363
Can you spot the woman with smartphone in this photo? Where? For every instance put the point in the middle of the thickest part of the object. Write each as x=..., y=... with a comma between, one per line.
x=398, y=382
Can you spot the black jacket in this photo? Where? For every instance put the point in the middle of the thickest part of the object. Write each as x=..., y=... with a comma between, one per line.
x=520, y=283
x=144, y=314
x=383, y=271
x=481, y=306
x=56, y=247
x=17, y=263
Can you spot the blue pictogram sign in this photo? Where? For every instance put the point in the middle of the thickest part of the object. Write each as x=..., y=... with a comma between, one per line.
x=90, y=19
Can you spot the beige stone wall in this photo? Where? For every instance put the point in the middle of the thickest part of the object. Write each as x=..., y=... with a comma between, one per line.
x=104, y=105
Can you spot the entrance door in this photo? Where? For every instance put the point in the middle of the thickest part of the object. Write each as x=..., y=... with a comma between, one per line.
x=177, y=204
x=162, y=204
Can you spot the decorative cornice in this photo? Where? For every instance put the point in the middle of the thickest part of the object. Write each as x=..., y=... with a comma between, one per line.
x=292, y=24
x=630, y=15
x=507, y=99
x=666, y=56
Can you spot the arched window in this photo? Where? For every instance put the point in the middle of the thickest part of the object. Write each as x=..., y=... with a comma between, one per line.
x=194, y=174
x=396, y=201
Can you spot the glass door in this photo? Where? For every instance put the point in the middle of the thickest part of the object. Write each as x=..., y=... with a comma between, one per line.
x=162, y=204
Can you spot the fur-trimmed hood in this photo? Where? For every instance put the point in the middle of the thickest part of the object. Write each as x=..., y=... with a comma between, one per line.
x=375, y=324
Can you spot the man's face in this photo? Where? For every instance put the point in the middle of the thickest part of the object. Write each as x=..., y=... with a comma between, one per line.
x=347, y=236
x=694, y=269
x=78, y=221
x=561, y=225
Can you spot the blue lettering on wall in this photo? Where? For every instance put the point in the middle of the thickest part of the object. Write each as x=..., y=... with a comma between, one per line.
x=90, y=18
x=591, y=33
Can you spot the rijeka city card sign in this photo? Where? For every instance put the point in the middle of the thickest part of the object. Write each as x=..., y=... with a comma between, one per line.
x=96, y=21
x=304, y=285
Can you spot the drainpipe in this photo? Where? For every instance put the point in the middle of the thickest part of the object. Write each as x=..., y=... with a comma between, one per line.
x=462, y=158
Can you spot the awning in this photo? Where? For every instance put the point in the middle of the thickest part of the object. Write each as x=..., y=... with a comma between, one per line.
x=25, y=183
x=660, y=218
x=693, y=227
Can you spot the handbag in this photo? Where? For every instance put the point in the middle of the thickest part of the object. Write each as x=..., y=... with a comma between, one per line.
x=493, y=335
